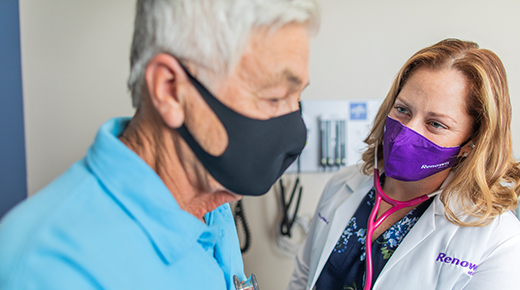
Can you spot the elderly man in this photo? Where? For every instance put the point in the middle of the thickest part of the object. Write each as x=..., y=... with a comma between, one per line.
x=216, y=85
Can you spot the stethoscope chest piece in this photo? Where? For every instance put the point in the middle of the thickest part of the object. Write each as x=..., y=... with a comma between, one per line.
x=249, y=284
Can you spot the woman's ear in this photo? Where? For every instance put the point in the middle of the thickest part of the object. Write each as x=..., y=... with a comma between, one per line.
x=464, y=152
x=163, y=76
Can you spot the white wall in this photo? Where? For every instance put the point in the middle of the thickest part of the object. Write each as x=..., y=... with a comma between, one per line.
x=75, y=65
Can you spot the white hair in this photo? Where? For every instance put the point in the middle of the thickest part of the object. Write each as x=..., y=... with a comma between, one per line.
x=208, y=33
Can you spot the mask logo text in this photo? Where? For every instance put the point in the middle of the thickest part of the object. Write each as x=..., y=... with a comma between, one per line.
x=445, y=164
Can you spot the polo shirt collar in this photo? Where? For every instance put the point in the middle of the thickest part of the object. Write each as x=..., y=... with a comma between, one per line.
x=143, y=195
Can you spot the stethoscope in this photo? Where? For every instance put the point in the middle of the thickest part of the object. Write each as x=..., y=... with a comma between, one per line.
x=374, y=222
x=249, y=284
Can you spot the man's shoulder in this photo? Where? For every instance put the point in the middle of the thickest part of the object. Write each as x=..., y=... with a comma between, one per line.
x=53, y=221
x=34, y=212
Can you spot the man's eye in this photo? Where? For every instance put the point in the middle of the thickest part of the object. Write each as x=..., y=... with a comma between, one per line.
x=274, y=101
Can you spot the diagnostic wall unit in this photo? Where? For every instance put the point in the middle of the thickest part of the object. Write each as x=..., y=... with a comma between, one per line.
x=335, y=133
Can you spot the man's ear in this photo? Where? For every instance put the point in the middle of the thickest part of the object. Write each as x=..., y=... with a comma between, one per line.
x=163, y=75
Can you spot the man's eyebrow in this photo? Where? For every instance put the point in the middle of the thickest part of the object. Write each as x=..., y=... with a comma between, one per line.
x=286, y=76
x=292, y=78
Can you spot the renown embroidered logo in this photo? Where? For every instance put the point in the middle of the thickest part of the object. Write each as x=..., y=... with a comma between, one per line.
x=452, y=260
x=436, y=165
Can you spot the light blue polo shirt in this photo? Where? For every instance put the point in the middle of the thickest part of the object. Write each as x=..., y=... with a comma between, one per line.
x=109, y=222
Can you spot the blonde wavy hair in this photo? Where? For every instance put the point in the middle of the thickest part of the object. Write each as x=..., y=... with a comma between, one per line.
x=486, y=183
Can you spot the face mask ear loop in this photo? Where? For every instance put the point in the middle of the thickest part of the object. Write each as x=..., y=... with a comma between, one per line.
x=375, y=157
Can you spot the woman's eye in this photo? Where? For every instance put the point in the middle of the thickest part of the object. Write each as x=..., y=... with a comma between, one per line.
x=402, y=110
x=437, y=125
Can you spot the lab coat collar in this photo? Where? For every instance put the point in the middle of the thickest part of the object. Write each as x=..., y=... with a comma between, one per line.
x=142, y=194
x=352, y=180
x=356, y=188
x=438, y=206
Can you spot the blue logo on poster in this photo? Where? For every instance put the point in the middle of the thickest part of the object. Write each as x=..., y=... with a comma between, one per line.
x=358, y=111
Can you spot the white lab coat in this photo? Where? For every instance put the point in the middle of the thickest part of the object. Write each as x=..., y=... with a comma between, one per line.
x=435, y=254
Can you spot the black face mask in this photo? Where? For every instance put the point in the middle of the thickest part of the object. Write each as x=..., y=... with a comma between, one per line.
x=258, y=152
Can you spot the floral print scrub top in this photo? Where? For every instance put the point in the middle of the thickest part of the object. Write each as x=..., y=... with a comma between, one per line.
x=345, y=269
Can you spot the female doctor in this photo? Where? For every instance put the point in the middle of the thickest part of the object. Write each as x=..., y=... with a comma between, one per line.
x=437, y=215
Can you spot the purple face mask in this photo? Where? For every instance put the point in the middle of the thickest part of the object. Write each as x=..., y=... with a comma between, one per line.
x=409, y=156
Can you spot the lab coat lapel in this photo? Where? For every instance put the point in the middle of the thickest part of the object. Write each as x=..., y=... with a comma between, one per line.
x=420, y=231
x=341, y=218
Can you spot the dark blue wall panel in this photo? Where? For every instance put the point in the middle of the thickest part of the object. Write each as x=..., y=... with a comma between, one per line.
x=13, y=176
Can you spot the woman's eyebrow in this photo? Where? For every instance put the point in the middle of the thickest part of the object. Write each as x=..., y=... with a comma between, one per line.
x=403, y=101
x=440, y=115
x=433, y=114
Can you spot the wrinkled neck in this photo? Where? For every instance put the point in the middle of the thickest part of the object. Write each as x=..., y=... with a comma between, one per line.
x=170, y=157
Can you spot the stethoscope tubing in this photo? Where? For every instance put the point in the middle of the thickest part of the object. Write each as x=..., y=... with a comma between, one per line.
x=374, y=222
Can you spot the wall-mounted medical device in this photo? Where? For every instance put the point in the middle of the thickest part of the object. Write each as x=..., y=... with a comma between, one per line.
x=335, y=133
